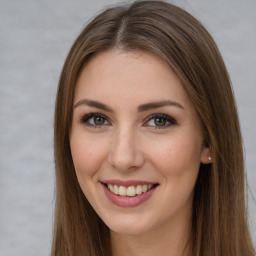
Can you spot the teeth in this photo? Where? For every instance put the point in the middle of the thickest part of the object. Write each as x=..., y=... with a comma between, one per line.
x=111, y=188
x=129, y=191
x=144, y=188
x=150, y=186
x=122, y=191
x=116, y=189
x=139, y=190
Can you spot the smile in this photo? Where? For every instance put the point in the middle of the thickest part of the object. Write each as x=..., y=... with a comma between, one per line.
x=128, y=193
x=130, y=190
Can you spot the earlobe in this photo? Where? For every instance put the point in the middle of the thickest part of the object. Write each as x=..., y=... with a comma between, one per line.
x=206, y=156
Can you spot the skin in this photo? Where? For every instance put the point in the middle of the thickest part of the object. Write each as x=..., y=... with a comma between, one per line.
x=131, y=145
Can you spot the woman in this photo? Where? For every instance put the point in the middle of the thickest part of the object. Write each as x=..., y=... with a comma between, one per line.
x=148, y=147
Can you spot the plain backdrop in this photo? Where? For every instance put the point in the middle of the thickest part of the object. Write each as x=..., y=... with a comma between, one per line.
x=35, y=36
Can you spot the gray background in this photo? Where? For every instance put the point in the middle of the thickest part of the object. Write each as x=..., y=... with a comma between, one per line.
x=35, y=38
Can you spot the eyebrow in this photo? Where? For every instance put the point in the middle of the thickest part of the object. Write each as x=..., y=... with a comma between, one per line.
x=93, y=103
x=159, y=104
x=141, y=108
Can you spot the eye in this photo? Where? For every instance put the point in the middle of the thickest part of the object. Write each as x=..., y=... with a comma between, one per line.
x=160, y=121
x=95, y=120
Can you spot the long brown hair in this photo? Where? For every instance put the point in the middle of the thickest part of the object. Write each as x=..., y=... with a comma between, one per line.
x=219, y=220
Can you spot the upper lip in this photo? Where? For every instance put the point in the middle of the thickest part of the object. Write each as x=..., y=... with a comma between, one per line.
x=127, y=183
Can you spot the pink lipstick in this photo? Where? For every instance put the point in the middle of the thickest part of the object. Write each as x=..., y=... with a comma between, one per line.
x=128, y=193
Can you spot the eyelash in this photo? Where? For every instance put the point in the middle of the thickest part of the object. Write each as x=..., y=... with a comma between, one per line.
x=85, y=119
x=165, y=117
x=170, y=120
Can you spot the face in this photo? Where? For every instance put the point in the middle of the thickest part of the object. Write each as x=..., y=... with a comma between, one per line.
x=136, y=142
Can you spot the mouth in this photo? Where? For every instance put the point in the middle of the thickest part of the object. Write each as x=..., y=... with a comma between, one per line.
x=129, y=191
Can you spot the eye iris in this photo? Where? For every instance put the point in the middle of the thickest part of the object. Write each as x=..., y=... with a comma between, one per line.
x=159, y=121
x=98, y=120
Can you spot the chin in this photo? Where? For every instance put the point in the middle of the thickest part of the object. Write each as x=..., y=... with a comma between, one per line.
x=129, y=231
x=129, y=227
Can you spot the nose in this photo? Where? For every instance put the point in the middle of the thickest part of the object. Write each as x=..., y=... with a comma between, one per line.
x=124, y=154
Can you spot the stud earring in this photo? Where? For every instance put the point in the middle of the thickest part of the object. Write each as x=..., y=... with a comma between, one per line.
x=209, y=158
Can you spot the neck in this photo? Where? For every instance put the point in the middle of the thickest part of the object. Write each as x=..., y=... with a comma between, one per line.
x=171, y=240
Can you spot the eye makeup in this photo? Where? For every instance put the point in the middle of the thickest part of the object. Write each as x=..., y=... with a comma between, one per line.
x=96, y=120
x=160, y=121
x=156, y=121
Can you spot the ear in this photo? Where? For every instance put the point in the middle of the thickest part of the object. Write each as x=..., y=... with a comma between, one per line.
x=206, y=155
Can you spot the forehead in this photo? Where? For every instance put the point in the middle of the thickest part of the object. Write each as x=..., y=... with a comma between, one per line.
x=129, y=77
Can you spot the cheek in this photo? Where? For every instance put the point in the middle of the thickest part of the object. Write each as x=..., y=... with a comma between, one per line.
x=87, y=155
x=177, y=155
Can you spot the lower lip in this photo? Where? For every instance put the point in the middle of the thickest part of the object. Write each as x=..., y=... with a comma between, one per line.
x=127, y=201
